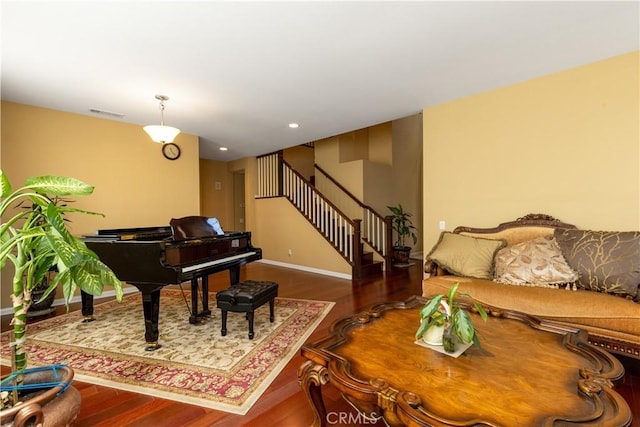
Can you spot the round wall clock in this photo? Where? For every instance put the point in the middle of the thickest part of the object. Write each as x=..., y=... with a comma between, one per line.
x=171, y=151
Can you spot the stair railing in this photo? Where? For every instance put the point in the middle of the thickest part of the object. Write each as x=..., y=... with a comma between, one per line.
x=376, y=229
x=277, y=178
x=270, y=175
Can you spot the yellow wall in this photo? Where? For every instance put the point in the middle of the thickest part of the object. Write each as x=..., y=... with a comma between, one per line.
x=301, y=159
x=567, y=144
x=391, y=172
x=239, y=202
x=281, y=227
x=135, y=186
x=349, y=174
x=249, y=167
x=406, y=173
x=216, y=191
x=354, y=145
x=380, y=148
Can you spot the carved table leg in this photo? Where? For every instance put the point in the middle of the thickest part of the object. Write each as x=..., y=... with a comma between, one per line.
x=311, y=378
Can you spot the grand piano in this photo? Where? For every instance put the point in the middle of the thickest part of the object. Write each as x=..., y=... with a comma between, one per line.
x=149, y=258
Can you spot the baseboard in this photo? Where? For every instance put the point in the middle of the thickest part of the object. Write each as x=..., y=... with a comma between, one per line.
x=308, y=269
x=60, y=301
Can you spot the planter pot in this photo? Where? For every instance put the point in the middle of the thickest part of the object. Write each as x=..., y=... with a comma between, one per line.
x=41, y=308
x=45, y=407
x=433, y=335
x=401, y=254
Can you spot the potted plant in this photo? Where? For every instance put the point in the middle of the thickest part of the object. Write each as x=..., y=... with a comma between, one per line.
x=446, y=317
x=402, y=225
x=34, y=238
x=41, y=300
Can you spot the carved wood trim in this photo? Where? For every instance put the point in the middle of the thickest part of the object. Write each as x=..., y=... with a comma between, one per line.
x=374, y=395
x=616, y=346
x=529, y=220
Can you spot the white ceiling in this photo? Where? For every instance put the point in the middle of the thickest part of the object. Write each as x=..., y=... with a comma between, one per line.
x=238, y=72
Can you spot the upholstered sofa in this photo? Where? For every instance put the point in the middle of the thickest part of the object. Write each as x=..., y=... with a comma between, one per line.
x=526, y=265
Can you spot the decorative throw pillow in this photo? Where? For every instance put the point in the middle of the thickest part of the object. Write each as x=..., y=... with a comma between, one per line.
x=606, y=261
x=537, y=262
x=465, y=255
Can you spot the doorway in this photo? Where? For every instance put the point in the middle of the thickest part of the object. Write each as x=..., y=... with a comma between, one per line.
x=239, y=223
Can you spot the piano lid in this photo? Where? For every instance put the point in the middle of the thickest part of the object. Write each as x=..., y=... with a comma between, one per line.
x=193, y=227
x=185, y=228
x=138, y=233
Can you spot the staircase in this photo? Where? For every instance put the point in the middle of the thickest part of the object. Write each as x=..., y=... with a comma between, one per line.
x=355, y=239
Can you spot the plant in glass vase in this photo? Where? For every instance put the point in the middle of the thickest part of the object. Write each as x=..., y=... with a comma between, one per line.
x=445, y=316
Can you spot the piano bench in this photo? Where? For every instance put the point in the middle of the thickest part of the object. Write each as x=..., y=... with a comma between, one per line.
x=246, y=297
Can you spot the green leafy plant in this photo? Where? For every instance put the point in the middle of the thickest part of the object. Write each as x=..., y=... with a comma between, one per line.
x=402, y=225
x=439, y=311
x=35, y=239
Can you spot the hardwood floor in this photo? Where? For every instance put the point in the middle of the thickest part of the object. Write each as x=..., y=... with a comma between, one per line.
x=283, y=403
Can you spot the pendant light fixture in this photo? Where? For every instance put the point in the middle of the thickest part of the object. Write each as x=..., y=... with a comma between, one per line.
x=162, y=133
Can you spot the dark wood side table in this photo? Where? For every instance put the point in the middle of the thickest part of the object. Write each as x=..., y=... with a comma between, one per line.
x=529, y=372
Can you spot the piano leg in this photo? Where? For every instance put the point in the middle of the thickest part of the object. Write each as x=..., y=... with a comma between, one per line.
x=234, y=275
x=205, y=295
x=87, y=307
x=193, y=319
x=151, y=308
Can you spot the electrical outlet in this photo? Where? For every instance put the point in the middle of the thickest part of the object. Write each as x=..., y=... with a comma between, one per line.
x=290, y=252
x=442, y=225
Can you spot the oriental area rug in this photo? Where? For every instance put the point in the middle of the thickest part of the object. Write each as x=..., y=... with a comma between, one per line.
x=195, y=364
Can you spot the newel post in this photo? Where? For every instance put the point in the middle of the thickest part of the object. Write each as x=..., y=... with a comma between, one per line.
x=281, y=173
x=357, y=249
x=388, y=242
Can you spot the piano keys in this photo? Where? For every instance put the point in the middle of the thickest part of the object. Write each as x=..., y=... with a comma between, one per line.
x=150, y=258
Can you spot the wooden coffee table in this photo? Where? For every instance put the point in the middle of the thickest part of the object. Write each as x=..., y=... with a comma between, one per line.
x=528, y=373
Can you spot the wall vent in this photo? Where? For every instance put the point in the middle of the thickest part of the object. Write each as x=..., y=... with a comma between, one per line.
x=106, y=113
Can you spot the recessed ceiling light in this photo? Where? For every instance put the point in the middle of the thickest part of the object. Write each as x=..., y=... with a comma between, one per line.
x=294, y=125
x=223, y=148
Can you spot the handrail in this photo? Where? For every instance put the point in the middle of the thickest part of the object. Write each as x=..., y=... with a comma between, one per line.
x=343, y=189
x=330, y=221
x=270, y=174
x=277, y=178
x=376, y=229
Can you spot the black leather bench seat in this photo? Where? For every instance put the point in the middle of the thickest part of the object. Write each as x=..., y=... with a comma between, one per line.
x=246, y=297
